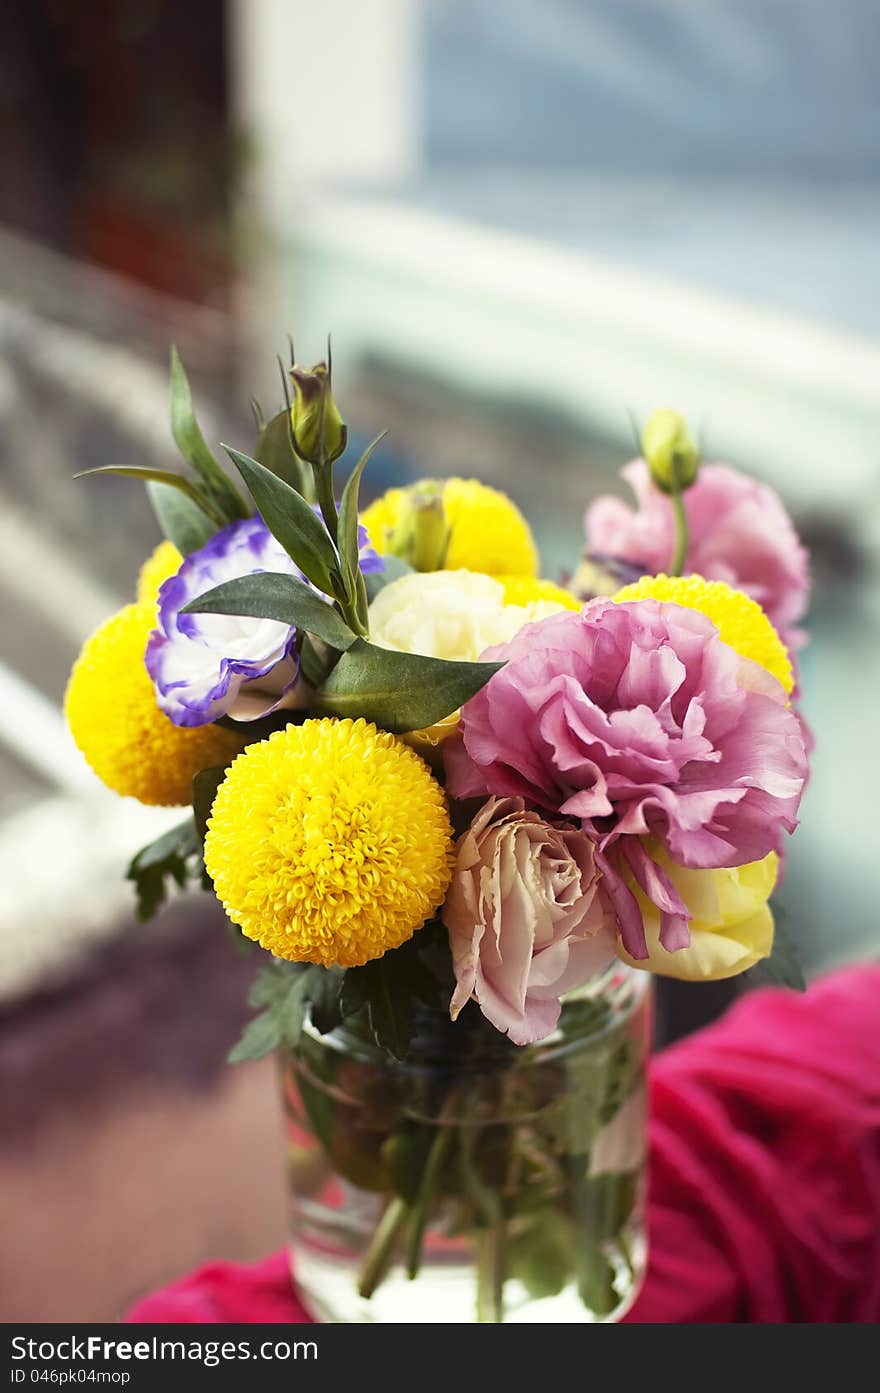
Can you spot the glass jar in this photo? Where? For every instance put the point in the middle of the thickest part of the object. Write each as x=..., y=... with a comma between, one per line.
x=477, y=1181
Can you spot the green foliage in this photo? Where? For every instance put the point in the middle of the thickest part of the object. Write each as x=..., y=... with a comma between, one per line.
x=275, y=451
x=273, y=595
x=283, y=991
x=167, y=478
x=388, y=992
x=181, y=519
x=204, y=790
x=175, y=857
x=291, y=521
x=349, y=551
x=201, y=505
x=400, y=691
x=215, y=486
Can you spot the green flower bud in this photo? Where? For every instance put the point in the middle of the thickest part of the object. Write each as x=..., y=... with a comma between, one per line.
x=671, y=454
x=421, y=537
x=318, y=429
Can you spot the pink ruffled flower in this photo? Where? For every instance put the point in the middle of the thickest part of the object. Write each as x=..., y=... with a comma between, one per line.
x=525, y=919
x=738, y=530
x=638, y=720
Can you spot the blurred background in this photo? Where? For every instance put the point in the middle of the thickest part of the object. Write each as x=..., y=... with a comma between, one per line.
x=525, y=222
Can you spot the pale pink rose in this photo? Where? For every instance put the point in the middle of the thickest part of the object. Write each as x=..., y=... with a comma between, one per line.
x=525, y=919
x=738, y=531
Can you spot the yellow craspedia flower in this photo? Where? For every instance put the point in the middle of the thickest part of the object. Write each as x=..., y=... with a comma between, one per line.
x=488, y=532
x=525, y=590
x=111, y=709
x=740, y=620
x=330, y=842
x=163, y=562
x=731, y=924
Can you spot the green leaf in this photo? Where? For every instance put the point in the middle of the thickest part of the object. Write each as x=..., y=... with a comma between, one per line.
x=193, y=447
x=400, y=691
x=391, y=1013
x=182, y=521
x=290, y=519
x=260, y=1036
x=274, y=451
x=172, y=857
x=204, y=790
x=783, y=968
x=315, y=661
x=324, y=1005
x=284, y=990
x=161, y=476
x=393, y=568
x=348, y=518
x=389, y=989
x=274, y=595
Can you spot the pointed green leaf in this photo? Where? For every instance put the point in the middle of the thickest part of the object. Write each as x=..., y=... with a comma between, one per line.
x=290, y=519
x=348, y=518
x=169, y=856
x=273, y=595
x=285, y=991
x=376, y=987
x=316, y=661
x=182, y=521
x=160, y=476
x=260, y=1036
x=194, y=448
x=204, y=790
x=400, y=691
x=274, y=451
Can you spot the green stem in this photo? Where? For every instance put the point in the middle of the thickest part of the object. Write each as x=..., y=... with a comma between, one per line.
x=421, y=1208
x=490, y=1275
x=681, y=531
x=324, y=493
x=381, y=1250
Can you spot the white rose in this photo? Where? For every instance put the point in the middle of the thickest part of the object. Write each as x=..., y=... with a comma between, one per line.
x=449, y=614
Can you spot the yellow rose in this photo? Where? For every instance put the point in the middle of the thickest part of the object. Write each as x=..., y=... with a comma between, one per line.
x=731, y=923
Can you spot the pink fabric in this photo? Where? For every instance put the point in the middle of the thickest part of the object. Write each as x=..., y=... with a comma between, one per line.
x=765, y=1183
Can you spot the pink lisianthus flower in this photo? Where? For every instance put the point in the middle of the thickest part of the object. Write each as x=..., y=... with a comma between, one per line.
x=639, y=721
x=526, y=921
x=738, y=531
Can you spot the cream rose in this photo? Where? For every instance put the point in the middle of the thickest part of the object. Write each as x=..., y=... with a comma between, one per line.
x=525, y=920
x=449, y=614
x=731, y=924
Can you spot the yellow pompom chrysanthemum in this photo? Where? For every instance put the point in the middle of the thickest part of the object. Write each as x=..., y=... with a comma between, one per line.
x=488, y=532
x=330, y=842
x=740, y=620
x=524, y=590
x=111, y=709
x=163, y=562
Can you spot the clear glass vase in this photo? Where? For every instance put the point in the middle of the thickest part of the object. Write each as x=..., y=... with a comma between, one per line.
x=477, y=1181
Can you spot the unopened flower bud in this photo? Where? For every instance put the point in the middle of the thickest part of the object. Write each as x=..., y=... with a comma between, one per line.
x=421, y=537
x=669, y=451
x=318, y=429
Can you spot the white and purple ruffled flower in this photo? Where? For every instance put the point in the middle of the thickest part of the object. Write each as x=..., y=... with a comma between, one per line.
x=204, y=666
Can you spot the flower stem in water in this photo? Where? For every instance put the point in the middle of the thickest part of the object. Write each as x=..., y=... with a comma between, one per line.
x=381, y=1250
x=490, y=1274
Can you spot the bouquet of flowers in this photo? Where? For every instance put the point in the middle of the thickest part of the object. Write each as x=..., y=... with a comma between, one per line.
x=464, y=810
